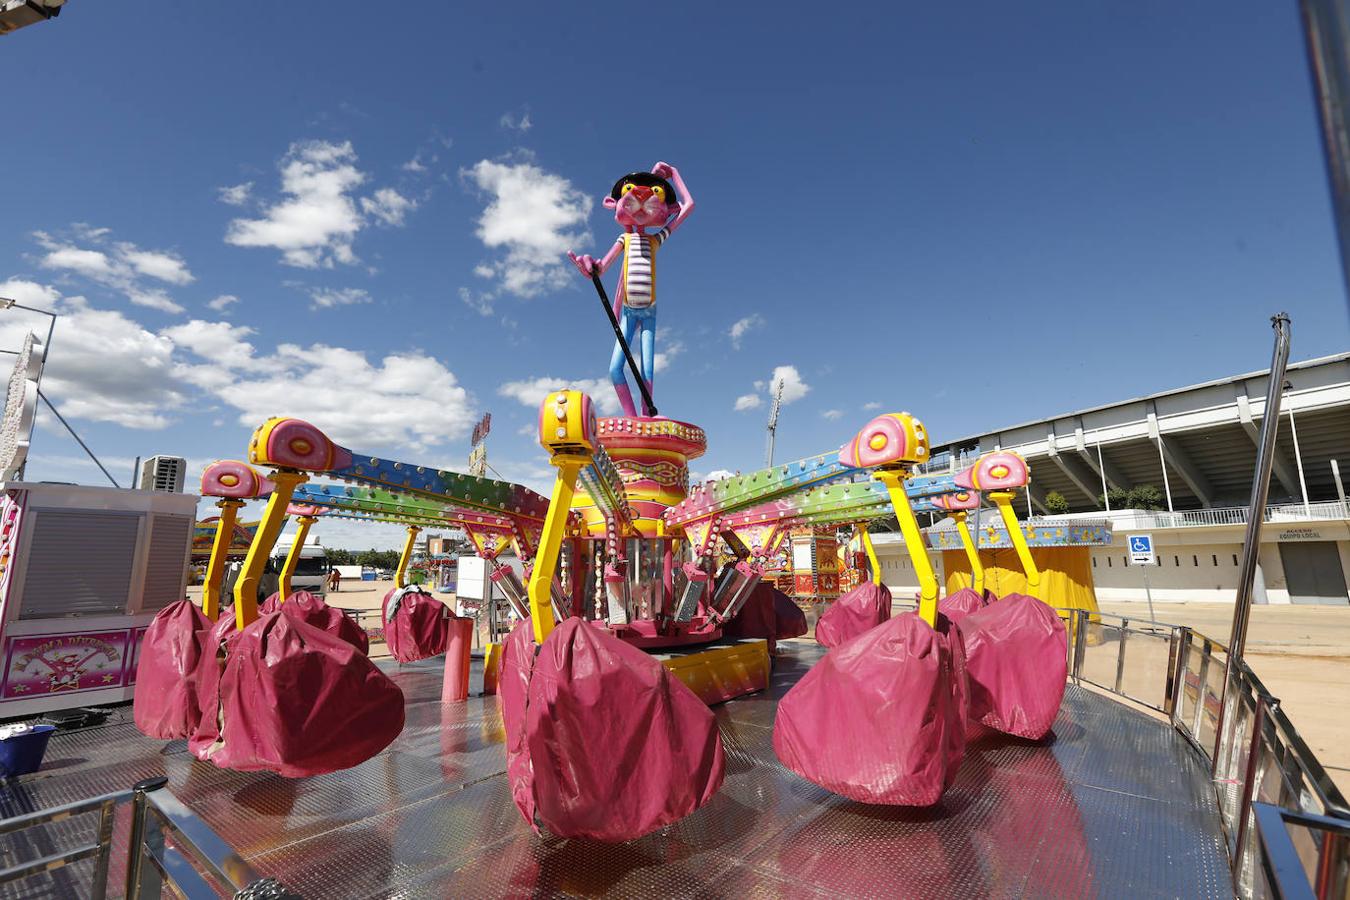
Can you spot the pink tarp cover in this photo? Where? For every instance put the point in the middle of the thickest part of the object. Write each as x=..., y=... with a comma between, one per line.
x=293, y=699
x=602, y=742
x=166, y=704
x=419, y=628
x=768, y=614
x=864, y=607
x=316, y=612
x=1016, y=659
x=790, y=619
x=957, y=605
x=881, y=719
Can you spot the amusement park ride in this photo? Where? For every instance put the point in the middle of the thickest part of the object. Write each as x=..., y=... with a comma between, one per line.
x=636, y=683
x=634, y=582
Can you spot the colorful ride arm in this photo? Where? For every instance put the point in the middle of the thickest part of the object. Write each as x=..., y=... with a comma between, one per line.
x=871, y=551
x=999, y=474
x=889, y=445
x=234, y=482
x=298, y=445
x=274, y=517
x=305, y=517
x=567, y=429
x=401, y=574
x=958, y=504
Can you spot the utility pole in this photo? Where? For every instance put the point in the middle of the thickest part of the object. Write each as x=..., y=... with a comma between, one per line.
x=773, y=420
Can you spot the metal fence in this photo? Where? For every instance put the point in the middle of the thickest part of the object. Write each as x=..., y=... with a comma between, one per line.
x=1284, y=514
x=1256, y=755
x=168, y=847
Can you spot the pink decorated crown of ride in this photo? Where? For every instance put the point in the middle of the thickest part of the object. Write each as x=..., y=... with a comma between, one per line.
x=998, y=471
x=888, y=440
x=235, y=480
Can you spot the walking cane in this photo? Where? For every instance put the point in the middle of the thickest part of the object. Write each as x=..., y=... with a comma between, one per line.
x=627, y=353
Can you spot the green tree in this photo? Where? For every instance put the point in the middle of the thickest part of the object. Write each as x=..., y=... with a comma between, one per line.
x=1056, y=503
x=1141, y=496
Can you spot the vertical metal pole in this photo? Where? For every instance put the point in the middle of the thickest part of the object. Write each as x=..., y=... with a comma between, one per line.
x=1149, y=594
x=1325, y=24
x=136, y=881
x=1249, y=785
x=136, y=473
x=1298, y=460
x=98, y=889
x=1120, y=654
x=1162, y=461
x=1101, y=470
x=1336, y=476
x=1251, y=541
x=1265, y=458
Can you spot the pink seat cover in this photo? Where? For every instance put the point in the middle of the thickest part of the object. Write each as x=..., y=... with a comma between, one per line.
x=1017, y=662
x=293, y=699
x=881, y=719
x=165, y=705
x=863, y=608
x=419, y=627
x=602, y=742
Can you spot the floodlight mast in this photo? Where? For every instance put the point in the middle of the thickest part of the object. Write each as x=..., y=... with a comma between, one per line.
x=773, y=420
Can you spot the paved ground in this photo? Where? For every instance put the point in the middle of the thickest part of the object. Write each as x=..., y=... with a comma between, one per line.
x=1301, y=654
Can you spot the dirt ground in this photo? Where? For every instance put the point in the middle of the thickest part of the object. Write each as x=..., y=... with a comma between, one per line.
x=1301, y=653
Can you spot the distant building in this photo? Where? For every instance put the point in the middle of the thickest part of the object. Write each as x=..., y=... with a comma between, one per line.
x=1197, y=446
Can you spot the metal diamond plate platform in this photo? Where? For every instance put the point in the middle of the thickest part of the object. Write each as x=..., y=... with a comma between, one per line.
x=1115, y=805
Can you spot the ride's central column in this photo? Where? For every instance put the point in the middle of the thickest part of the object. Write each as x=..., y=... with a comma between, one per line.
x=652, y=457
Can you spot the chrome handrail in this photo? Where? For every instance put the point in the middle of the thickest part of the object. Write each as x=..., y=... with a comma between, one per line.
x=1257, y=756
x=181, y=850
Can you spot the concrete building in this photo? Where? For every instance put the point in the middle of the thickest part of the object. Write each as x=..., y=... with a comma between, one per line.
x=1197, y=446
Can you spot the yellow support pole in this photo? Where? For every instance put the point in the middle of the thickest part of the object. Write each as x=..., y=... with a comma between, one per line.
x=894, y=479
x=401, y=574
x=972, y=553
x=220, y=550
x=1003, y=500
x=274, y=517
x=871, y=554
x=550, y=544
x=293, y=557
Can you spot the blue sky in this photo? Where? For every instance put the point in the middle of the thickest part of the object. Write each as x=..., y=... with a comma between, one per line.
x=892, y=201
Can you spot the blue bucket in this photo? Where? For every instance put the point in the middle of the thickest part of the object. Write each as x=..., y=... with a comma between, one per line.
x=22, y=753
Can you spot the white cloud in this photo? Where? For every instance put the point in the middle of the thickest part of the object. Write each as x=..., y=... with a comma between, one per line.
x=388, y=206
x=481, y=302
x=327, y=298
x=155, y=264
x=832, y=414
x=221, y=303
x=107, y=368
x=794, y=388
x=121, y=266
x=741, y=326
x=516, y=121
x=715, y=475
x=748, y=401
x=317, y=223
x=415, y=165
x=219, y=342
x=319, y=216
x=236, y=195
x=533, y=218
x=668, y=355
x=531, y=392
x=407, y=399
x=871, y=406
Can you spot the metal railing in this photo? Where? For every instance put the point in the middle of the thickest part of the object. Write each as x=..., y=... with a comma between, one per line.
x=1255, y=754
x=168, y=846
x=1284, y=514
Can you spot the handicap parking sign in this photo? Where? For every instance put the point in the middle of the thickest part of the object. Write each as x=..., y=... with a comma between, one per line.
x=1141, y=549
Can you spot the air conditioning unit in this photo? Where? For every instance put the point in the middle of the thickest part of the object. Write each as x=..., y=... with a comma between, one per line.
x=163, y=473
